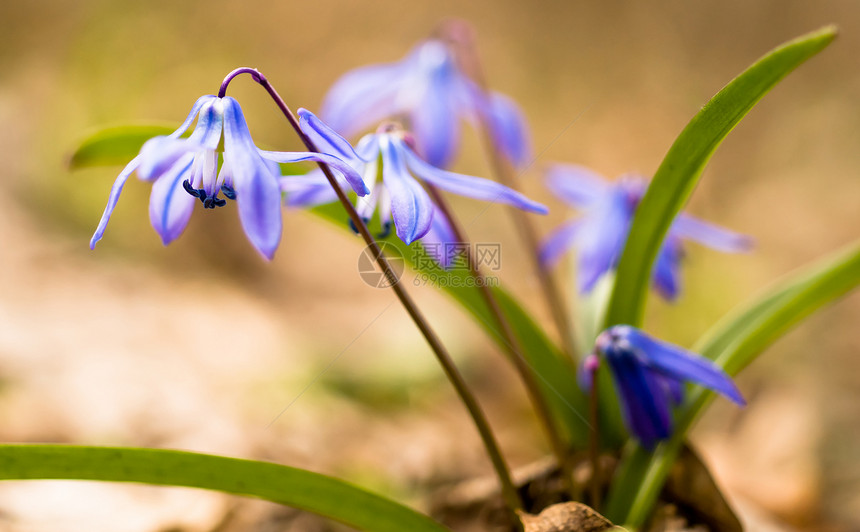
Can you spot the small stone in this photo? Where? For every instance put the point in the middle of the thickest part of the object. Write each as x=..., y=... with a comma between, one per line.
x=566, y=517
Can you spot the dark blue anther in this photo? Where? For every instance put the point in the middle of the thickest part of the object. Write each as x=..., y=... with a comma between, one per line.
x=354, y=228
x=386, y=230
x=209, y=202
x=213, y=201
x=191, y=190
x=229, y=192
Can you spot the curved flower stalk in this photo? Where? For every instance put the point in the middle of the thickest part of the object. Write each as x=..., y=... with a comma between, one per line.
x=649, y=376
x=428, y=89
x=600, y=234
x=182, y=169
x=398, y=196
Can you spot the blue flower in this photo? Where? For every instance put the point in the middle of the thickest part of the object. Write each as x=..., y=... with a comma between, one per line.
x=429, y=90
x=182, y=169
x=600, y=234
x=398, y=197
x=649, y=376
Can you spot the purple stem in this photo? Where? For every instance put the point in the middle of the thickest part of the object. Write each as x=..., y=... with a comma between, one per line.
x=509, y=492
x=256, y=74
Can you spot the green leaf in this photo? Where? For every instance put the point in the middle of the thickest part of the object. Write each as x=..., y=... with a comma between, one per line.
x=680, y=170
x=294, y=487
x=116, y=145
x=733, y=343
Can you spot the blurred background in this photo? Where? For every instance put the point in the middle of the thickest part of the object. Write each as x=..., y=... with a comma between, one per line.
x=204, y=346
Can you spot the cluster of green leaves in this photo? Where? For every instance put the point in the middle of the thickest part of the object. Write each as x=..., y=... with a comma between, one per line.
x=641, y=474
x=733, y=343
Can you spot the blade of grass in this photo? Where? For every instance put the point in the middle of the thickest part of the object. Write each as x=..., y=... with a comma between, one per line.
x=678, y=174
x=326, y=496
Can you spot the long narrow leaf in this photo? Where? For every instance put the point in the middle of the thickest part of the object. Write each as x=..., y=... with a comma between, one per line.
x=116, y=145
x=678, y=174
x=294, y=487
x=676, y=178
x=733, y=344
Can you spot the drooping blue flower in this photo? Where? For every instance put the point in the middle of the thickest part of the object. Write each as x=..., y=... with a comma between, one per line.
x=398, y=196
x=182, y=169
x=600, y=234
x=649, y=376
x=429, y=90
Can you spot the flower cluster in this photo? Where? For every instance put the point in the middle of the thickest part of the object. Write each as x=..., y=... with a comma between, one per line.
x=600, y=234
x=388, y=171
x=184, y=169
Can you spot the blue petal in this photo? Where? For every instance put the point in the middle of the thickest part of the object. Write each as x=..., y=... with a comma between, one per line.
x=436, y=122
x=325, y=138
x=363, y=97
x=667, y=270
x=643, y=401
x=348, y=172
x=190, y=118
x=258, y=195
x=160, y=153
x=604, y=230
x=410, y=206
x=509, y=129
x=674, y=389
x=210, y=123
x=368, y=147
x=680, y=364
x=170, y=206
x=558, y=242
x=576, y=185
x=710, y=235
x=437, y=240
x=473, y=187
x=307, y=190
x=113, y=198
x=258, y=198
x=366, y=205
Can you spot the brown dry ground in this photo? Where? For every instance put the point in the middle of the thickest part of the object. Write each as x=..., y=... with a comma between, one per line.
x=202, y=345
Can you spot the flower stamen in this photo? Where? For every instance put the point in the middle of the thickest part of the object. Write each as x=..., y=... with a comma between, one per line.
x=209, y=202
